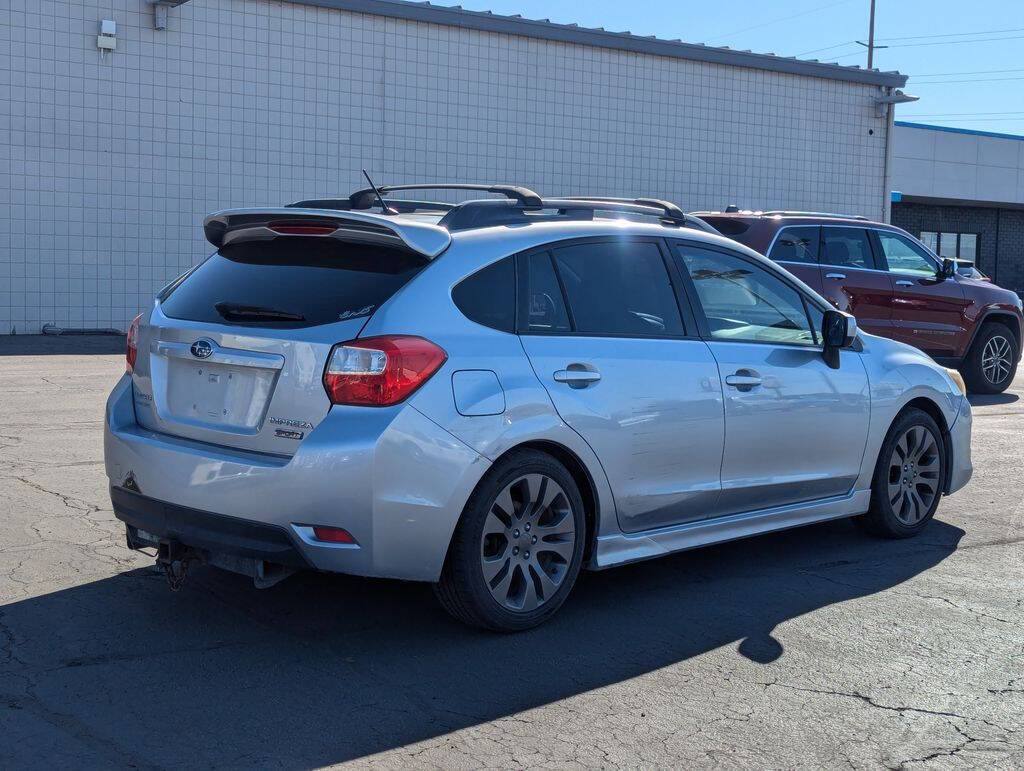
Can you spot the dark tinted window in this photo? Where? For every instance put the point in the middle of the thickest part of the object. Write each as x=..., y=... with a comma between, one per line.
x=619, y=288
x=488, y=297
x=846, y=247
x=545, y=307
x=796, y=245
x=290, y=282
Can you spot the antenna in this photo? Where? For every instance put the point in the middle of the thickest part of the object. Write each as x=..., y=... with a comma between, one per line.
x=387, y=209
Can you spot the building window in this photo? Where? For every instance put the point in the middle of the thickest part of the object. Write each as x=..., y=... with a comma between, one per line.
x=956, y=246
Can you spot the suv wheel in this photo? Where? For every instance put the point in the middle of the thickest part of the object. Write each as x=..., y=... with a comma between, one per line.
x=991, y=362
x=518, y=548
x=909, y=477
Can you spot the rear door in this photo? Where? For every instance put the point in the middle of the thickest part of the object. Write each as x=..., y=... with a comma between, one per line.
x=852, y=281
x=928, y=311
x=606, y=335
x=234, y=352
x=795, y=248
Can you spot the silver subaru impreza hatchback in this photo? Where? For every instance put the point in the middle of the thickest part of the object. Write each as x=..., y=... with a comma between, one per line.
x=492, y=395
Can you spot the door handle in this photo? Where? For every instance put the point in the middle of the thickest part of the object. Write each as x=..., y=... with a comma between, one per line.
x=835, y=275
x=904, y=282
x=577, y=378
x=743, y=380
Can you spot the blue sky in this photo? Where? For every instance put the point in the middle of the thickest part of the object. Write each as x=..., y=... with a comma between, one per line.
x=966, y=65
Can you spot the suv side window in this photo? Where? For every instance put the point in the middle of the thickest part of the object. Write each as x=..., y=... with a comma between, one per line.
x=796, y=244
x=846, y=247
x=618, y=288
x=744, y=302
x=488, y=297
x=904, y=256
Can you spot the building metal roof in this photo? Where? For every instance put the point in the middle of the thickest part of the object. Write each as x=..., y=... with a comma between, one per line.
x=954, y=130
x=544, y=29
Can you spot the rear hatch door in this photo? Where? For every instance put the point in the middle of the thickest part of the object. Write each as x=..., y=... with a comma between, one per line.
x=234, y=351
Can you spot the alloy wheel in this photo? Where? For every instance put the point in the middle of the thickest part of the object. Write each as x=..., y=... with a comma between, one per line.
x=527, y=544
x=914, y=475
x=996, y=359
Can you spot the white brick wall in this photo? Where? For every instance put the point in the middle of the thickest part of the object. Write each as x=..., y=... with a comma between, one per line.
x=108, y=166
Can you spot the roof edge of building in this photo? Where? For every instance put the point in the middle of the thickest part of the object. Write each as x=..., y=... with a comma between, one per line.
x=956, y=130
x=623, y=41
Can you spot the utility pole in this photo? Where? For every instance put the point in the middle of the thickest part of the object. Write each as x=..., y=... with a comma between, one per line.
x=871, y=36
x=870, y=45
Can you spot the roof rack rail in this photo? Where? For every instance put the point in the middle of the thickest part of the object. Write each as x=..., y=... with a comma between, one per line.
x=669, y=210
x=367, y=197
x=400, y=205
x=791, y=213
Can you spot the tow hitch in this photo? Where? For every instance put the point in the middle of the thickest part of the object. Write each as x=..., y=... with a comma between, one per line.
x=175, y=559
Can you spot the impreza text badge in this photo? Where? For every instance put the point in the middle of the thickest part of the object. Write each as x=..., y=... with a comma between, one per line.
x=202, y=349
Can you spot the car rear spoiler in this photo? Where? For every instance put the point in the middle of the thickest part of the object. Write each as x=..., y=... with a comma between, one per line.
x=233, y=226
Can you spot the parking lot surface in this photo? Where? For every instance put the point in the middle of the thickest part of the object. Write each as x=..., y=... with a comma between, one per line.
x=810, y=648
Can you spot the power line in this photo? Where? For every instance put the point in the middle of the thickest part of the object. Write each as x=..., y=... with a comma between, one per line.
x=941, y=43
x=918, y=84
x=784, y=18
x=953, y=34
x=975, y=72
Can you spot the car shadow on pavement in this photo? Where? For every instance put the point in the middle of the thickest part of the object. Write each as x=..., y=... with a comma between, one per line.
x=322, y=669
x=990, y=400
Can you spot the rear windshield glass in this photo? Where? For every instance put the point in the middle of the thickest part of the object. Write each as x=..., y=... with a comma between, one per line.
x=290, y=282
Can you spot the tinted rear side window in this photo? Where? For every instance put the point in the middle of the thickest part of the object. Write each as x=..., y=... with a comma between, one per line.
x=290, y=282
x=488, y=297
x=619, y=288
x=796, y=245
x=848, y=247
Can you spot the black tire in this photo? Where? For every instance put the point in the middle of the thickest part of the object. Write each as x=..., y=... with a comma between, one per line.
x=973, y=367
x=463, y=590
x=904, y=517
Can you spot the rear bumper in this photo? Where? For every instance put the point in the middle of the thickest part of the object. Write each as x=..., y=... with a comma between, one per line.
x=391, y=477
x=207, y=531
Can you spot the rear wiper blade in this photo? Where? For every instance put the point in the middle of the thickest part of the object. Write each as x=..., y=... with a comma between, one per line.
x=235, y=312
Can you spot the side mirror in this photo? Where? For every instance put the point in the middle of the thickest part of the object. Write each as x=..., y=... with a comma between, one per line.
x=838, y=331
x=948, y=269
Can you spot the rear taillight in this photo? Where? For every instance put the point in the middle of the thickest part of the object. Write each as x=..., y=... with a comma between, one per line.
x=132, y=349
x=380, y=371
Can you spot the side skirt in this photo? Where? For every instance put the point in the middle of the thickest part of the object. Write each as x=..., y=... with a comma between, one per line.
x=620, y=548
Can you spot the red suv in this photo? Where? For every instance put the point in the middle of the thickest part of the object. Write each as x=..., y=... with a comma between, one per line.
x=894, y=285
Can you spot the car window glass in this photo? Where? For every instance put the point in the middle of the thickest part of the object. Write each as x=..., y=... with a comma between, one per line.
x=545, y=306
x=744, y=302
x=488, y=297
x=905, y=257
x=796, y=245
x=618, y=288
x=846, y=247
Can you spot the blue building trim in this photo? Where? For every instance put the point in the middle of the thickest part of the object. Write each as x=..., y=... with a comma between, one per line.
x=952, y=130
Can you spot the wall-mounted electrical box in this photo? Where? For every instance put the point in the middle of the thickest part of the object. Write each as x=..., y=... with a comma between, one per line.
x=107, y=39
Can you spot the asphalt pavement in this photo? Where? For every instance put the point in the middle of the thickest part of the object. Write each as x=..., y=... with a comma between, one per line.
x=817, y=647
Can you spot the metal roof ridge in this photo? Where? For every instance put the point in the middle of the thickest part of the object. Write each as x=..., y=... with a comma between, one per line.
x=456, y=16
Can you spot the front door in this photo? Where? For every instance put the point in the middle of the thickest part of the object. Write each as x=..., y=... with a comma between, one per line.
x=795, y=428
x=602, y=327
x=928, y=310
x=851, y=280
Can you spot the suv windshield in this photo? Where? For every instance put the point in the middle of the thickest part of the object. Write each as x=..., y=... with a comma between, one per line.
x=290, y=282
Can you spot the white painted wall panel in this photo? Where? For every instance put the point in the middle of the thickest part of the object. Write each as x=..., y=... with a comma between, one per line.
x=108, y=166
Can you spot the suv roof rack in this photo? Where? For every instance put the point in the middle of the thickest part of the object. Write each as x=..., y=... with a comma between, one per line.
x=367, y=197
x=790, y=213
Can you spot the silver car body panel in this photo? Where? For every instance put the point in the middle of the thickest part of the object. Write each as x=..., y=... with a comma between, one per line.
x=398, y=478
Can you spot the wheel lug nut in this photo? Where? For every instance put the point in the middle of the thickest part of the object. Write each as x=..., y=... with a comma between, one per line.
x=533, y=540
x=526, y=555
x=527, y=528
x=515, y=550
x=515, y=533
